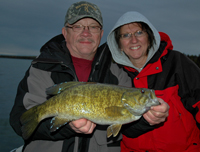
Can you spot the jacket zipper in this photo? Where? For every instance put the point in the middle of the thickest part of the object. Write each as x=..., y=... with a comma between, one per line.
x=99, y=59
x=74, y=74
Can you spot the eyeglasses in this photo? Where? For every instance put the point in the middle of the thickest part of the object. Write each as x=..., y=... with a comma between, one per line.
x=80, y=28
x=129, y=35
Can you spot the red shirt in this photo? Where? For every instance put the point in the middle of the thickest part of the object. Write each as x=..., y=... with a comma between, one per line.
x=82, y=68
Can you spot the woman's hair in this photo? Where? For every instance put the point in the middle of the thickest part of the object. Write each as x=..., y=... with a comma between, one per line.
x=144, y=27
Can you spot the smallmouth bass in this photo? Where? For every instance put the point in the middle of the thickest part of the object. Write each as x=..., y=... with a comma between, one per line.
x=103, y=104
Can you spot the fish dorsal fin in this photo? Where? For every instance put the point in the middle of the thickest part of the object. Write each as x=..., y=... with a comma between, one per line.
x=113, y=130
x=57, y=122
x=58, y=88
x=115, y=111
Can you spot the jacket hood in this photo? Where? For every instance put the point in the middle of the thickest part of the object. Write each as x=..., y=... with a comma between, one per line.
x=129, y=17
x=166, y=38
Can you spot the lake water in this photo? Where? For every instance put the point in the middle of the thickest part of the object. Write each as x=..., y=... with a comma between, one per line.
x=11, y=73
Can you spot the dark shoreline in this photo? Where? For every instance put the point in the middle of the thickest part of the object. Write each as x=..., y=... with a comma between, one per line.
x=17, y=57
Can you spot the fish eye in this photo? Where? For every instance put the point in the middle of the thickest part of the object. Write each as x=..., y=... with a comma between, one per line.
x=142, y=91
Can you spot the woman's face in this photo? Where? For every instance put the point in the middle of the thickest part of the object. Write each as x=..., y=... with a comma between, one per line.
x=135, y=45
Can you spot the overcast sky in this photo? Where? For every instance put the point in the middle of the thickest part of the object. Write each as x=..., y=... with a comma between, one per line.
x=25, y=25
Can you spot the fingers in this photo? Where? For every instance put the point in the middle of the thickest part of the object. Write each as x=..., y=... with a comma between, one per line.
x=82, y=126
x=157, y=114
x=154, y=118
x=163, y=107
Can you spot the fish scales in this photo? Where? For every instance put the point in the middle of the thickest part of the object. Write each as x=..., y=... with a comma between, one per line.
x=84, y=106
x=101, y=103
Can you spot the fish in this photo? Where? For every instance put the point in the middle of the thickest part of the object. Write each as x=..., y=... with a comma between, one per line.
x=103, y=104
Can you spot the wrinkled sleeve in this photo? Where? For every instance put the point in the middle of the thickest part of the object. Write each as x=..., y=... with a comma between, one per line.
x=136, y=128
x=189, y=82
x=31, y=92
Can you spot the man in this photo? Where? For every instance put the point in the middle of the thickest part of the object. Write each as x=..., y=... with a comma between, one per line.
x=72, y=56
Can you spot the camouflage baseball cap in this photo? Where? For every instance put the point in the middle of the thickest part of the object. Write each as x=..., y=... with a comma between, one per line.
x=81, y=10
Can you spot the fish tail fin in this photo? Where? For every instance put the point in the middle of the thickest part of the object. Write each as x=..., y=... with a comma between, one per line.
x=29, y=121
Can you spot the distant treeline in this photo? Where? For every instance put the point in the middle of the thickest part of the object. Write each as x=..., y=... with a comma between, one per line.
x=17, y=57
x=195, y=58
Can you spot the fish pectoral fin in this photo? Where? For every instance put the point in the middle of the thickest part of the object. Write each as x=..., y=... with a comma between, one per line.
x=113, y=130
x=57, y=122
x=115, y=111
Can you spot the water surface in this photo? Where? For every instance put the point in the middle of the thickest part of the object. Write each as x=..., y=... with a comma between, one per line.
x=11, y=73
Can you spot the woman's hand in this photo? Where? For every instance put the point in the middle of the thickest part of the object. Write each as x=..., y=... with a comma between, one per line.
x=157, y=114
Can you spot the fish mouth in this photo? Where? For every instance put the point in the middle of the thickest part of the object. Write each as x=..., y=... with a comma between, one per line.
x=139, y=110
x=154, y=102
x=140, y=102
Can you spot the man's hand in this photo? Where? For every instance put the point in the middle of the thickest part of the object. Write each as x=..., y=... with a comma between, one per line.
x=83, y=126
x=157, y=114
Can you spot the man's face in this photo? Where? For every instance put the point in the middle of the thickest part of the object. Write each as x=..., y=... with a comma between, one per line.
x=83, y=44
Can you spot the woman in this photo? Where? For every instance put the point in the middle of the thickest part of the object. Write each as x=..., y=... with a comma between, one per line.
x=148, y=58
